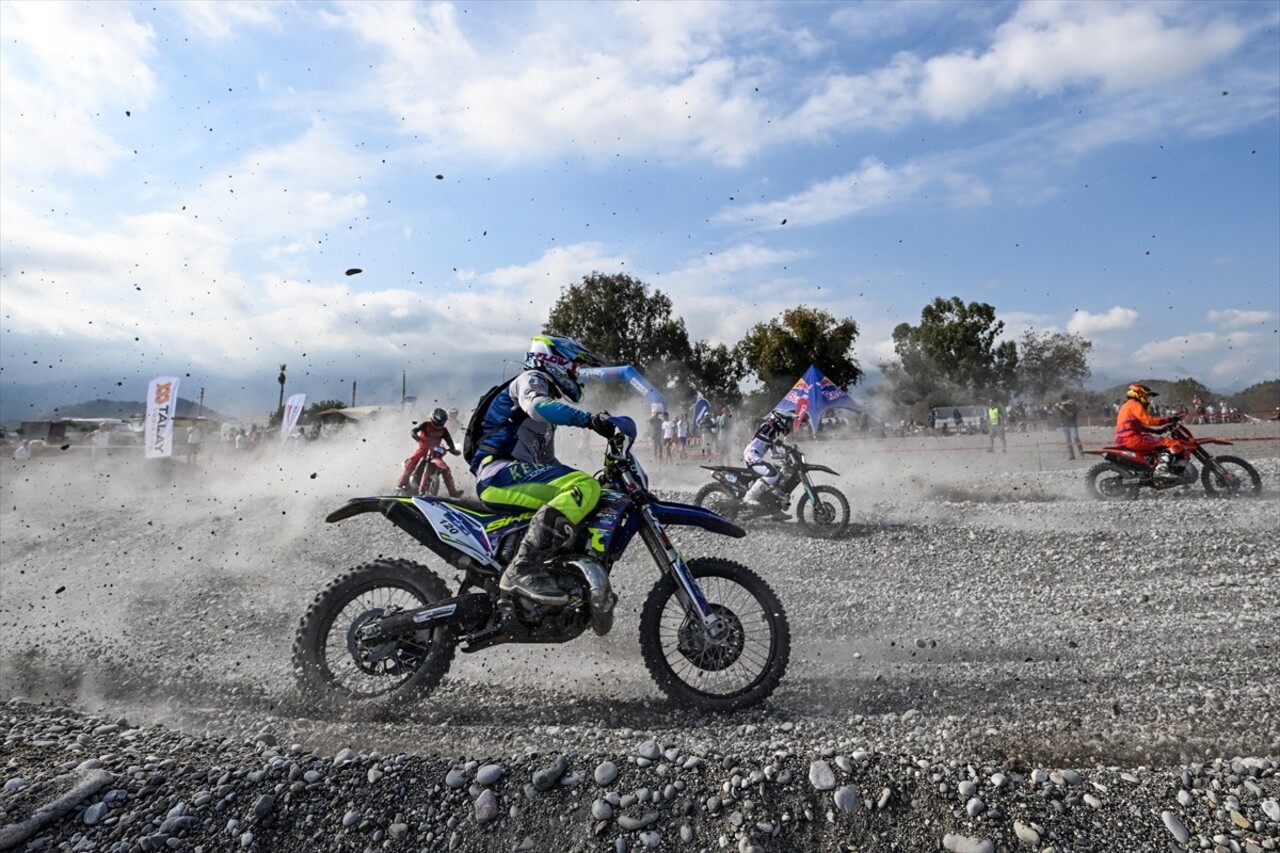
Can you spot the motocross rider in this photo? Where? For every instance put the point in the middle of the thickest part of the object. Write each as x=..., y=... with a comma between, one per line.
x=1136, y=429
x=769, y=436
x=516, y=466
x=430, y=434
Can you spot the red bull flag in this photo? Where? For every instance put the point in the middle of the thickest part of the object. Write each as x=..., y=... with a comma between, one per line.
x=292, y=409
x=813, y=394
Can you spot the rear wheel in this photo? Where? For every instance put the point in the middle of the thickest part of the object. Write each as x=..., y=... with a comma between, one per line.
x=1236, y=478
x=738, y=667
x=1106, y=481
x=826, y=517
x=335, y=666
x=719, y=499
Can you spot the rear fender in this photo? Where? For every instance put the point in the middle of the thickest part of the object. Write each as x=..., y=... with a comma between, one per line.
x=403, y=514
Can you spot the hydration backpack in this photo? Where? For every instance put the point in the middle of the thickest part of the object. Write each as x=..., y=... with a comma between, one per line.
x=475, y=426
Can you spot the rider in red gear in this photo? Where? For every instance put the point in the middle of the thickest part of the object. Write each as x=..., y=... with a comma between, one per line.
x=430, y=434
x=1136, y=429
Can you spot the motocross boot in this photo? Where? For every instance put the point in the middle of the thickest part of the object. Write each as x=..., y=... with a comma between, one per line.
x=549, y=531
x=1162, y=471
x=756, y=492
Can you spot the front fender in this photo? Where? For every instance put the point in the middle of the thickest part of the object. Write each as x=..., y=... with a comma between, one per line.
x=822, y=468
x=669, y=513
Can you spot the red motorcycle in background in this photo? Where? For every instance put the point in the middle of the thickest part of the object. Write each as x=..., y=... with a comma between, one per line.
x=1126, y=471
x=425, y=479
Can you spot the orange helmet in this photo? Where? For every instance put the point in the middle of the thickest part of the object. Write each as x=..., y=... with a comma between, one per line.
x=1141, y=393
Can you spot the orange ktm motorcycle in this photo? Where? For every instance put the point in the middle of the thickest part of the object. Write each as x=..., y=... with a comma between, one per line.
x=1126, y=471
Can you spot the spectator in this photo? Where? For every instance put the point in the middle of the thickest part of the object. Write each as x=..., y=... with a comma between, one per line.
x=194, y=438
x=655, y=432
x=995, y=424
x=668, y=434
x=23, y=452
x=682, y=436
x=101, y=438
x=1069, y=416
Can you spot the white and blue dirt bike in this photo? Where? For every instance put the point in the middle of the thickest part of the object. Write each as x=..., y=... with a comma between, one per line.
x=822, y=511
x=712, y=633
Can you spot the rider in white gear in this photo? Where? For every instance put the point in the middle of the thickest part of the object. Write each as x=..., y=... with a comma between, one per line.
x=772, y=430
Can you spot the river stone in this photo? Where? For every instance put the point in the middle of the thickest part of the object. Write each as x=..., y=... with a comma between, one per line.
x=1026, y=834
x=95, y=813
x=456, y=778
x=1271, y=808
x=964, y=844
x=600, y=810
x=650, y=750
x=821, y=776
x=1175, y=826
x=546, y=778
x=605, y=773
x=486, y=806
x=631, y=824
x=489, y=774
x=846, y=798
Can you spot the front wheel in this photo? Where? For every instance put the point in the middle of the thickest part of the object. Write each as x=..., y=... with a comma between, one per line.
x=719, y=499
x=1106, y=482
x=1234, y=478
x=332, y=663
x=737, y=668
x=825, y=517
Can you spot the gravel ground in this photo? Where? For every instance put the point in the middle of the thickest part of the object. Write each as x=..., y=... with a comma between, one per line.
x=988, y=661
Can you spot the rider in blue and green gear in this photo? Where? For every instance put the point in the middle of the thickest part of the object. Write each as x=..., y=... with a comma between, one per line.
x=516, y=466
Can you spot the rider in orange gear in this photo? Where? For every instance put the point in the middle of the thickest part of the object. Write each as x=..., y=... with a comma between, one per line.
x=1136, y=429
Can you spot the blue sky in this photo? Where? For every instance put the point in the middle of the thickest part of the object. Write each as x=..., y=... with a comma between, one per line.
x=184, y=185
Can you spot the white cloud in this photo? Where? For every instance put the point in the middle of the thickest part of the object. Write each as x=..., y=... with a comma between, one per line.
x=69, y=73
x=219, y=19
x=1048, y=47
x=1230, y=360
x=1234, y=318
x=1084, y=323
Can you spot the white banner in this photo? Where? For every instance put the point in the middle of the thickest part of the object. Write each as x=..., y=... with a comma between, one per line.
x=292, y=409
x=162, y=408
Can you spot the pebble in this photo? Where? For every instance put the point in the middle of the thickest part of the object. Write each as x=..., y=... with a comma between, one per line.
x=964, y=844
x=486, y=806
x=546, y=778
x=1271, y=808
x=821, y=776
x=456, y=778
x=1026, y=834
x=650, y=750
x=1175, y=826
x=489, y=773
x=631, y=824
x=605, y=773
x=846, y=798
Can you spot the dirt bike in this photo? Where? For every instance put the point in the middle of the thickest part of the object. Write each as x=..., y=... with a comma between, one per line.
x=821, y=510
x=432, y=467
x=1126, y=471
x=713, y=635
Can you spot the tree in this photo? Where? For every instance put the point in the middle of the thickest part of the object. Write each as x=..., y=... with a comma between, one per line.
x=956, y=343
x=618, y=317
x=780, y=351
x=321, y=406
x=1262, y=400
x=1052, y=361
x=717, y=372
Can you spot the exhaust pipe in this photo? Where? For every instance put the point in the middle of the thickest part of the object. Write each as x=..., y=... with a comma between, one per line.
x=600, y=596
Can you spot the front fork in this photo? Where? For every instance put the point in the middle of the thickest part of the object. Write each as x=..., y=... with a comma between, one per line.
x=687, y=589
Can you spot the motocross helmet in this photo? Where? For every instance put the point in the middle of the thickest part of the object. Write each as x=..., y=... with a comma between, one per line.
x=439, y=416
x=559, y=358
x=1141, y=393
x=783, y=420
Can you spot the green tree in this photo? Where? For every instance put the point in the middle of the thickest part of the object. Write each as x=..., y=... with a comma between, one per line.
x=1262, y=400
x=321, y=406
x=717, y=371
x=781, y=350
x=1184, y=391
x=619, y=318
x=1052, y=361
x=956, y=343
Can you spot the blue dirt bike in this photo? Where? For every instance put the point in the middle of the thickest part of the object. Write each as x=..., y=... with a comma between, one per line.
x=712, y=633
